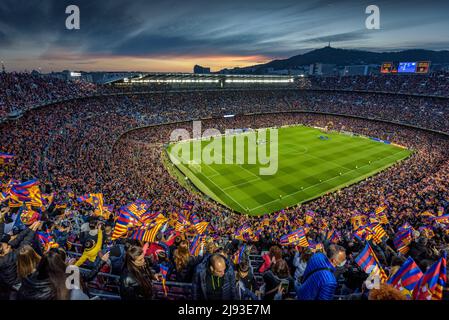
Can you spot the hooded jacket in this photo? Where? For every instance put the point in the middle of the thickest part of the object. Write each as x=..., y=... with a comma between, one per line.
x=320, y=282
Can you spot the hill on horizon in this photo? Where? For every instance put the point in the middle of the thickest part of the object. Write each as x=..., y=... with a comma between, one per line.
x=344, y=57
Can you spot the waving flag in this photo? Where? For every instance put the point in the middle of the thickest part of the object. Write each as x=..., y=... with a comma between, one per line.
x=378, y=233
x=6, y=157
x=427, y=232
x=297, y=237
x=197, y=244
x=244, y=233
x=96, y=201
x=163, y=269
x=442, y=219
x=407, y=277
x=46, y=240
x=134, y=215
x=358, y=220
x=3, y=197
x=381, y=214
x=27, y=192
x=194, y=218
x=150, y=232
x=402, y=240
x=201, y=227
x=182, y=222
x=368, y=262
x=280, y=216
x=364, y=233
x=238, y=257
x=309, y=216
x=430, y=286
x=28, y=217
x=333, y=236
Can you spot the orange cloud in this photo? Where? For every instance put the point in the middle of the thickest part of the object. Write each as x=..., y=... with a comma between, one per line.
x=61, y=60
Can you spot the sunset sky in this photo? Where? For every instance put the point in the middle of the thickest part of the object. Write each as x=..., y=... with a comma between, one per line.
x=174, y=35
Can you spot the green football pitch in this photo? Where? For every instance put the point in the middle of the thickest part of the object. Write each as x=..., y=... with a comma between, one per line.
x=307, y=167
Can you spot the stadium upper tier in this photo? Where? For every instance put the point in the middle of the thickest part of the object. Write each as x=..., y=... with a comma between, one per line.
x=22, y=91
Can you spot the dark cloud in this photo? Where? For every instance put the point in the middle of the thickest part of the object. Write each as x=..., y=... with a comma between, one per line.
x=145, y=28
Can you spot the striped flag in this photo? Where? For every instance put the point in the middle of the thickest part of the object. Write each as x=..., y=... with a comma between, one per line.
x=201, y=226
x=333, y=236
x=6, y=158
x=297, y=237
x=46, y=240
x=27, y=192
x=358, y=220
x=244, y=233
x=407, y=277
x=134, y=215
x=364, y=233
x=149, y=233
x=309, y=216
x=163, y=269
x=378, y=233
x=431, y=284
x=182, y=222
x=402, y=240
x=368, y=262
x=197, y=244
x=238, y=257
x=441, y=219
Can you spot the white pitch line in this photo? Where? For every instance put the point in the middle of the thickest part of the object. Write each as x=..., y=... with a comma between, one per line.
x=289, y=195
x=240, y=184
x=232, y=198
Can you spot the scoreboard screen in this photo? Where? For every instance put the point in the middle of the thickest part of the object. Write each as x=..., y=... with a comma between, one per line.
x=407, y=67
x=387, y=67
x=423, y=67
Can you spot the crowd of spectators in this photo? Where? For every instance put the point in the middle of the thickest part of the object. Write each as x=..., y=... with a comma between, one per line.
x=82, y=146
x=436, y=83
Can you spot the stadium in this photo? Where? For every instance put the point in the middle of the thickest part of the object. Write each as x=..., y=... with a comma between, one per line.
x=294, y=187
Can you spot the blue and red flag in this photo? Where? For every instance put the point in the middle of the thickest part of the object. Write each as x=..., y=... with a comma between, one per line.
x=238, y=257
x=197, y=244
x=297, y=237
x=407, y=277
x=431, y=284
x=163, y=269
x=6, y=157
x=402, y=240
x=368, y=262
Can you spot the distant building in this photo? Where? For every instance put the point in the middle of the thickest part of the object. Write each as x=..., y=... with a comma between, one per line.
x=357, y=70
x=201, y=70
x=322, y=69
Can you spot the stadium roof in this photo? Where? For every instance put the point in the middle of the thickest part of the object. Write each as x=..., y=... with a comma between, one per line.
x=203, y=78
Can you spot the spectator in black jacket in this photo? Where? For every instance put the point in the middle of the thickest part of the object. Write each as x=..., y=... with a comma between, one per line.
x=50, y=280
x=278, y=279
x=214, y=279
x=136, y=278
x=9, y=246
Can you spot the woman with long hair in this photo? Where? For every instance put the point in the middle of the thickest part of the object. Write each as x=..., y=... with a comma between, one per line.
x=136, y=278
x=184, y=263
x=49, y=280
x=27, y=261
